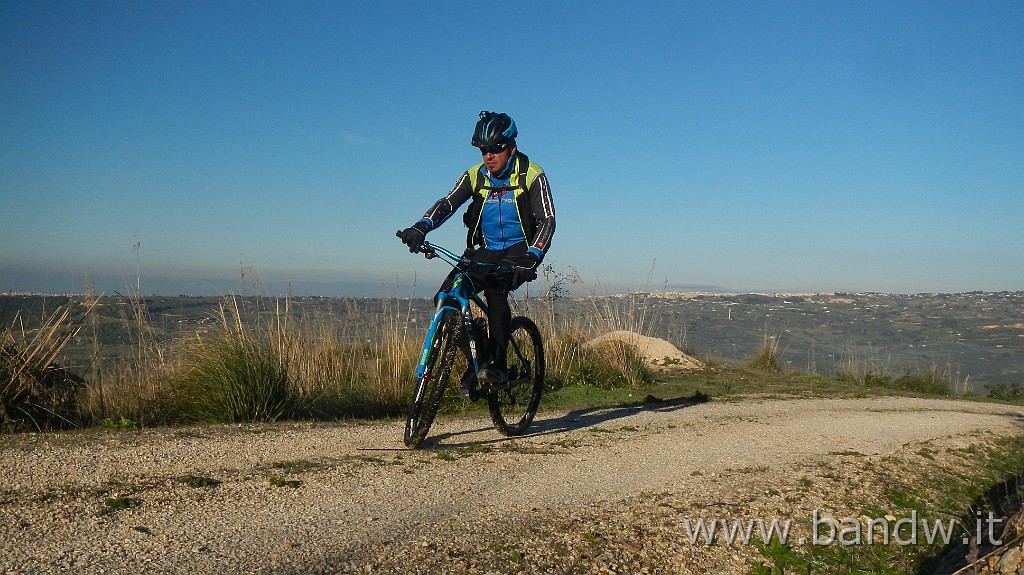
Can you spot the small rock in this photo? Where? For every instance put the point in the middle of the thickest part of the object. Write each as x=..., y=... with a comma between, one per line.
x=1010, y=561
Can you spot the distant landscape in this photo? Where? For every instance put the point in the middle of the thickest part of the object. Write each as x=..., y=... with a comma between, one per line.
x=975, y=340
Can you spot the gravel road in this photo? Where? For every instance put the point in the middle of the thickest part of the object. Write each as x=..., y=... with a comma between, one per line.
x=583, y=493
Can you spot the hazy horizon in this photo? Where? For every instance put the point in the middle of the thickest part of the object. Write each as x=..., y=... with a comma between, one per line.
x=275, y=285
x=783, y=147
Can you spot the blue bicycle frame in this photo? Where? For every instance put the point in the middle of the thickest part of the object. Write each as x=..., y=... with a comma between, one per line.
x=463, y=291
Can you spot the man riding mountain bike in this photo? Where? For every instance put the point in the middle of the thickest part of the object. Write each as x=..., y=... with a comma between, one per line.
x=511, y=221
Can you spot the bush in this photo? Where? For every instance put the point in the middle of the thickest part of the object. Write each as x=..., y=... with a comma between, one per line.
x=333, y=380
x=1012, y=392
x=262, y=372
x=765, y=360
x=35, y=391
x=609, y=365
x=233, y=378
x=767, y=355
x=926, y=381
x=36, y=394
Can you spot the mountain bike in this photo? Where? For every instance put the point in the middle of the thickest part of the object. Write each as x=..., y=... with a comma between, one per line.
x=454, y=329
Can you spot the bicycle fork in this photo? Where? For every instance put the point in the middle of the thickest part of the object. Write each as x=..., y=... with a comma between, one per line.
x=430, y=341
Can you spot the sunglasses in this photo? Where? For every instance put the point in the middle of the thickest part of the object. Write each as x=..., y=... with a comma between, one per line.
x=493, y=149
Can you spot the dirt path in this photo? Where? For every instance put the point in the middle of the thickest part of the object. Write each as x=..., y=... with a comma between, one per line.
x=351, y=499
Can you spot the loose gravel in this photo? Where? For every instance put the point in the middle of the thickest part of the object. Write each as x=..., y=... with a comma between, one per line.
x=597, y=491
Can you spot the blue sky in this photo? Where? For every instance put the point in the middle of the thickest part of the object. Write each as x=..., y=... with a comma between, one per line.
x=752, y=146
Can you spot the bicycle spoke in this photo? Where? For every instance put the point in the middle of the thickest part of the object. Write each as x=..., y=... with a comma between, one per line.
x=513, y=406
x=430, y=389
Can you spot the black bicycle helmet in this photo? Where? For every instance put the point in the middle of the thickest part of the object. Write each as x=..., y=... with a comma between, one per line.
x=494, y=129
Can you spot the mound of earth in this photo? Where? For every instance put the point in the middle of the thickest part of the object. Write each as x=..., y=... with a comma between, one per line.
x=660, y=354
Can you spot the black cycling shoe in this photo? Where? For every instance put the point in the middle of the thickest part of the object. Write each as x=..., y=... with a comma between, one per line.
x=492, y=376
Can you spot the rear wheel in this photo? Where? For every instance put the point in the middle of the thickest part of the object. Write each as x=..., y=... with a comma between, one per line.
x=430, y=388
x=513, y=405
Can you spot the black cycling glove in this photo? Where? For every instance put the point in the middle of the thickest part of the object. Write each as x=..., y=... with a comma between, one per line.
x=414, y=236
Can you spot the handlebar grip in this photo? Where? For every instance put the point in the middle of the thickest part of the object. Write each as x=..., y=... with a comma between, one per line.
x=424, y=249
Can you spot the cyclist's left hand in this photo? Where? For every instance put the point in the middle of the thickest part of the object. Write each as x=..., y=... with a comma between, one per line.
x=527, y=261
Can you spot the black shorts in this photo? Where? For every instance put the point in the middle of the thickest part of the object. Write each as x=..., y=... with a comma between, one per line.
x=492, y=282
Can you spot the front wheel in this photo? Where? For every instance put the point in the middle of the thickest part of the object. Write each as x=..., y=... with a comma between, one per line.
x=513, y=405
x=430, y=388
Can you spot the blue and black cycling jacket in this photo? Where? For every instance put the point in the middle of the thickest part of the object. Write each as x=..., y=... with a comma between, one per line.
x=505, y=211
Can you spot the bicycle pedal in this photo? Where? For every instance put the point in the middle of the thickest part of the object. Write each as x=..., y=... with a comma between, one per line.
x=493, y=378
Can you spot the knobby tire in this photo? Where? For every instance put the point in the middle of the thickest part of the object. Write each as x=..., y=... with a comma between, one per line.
x=512, y=410
x=430, y=388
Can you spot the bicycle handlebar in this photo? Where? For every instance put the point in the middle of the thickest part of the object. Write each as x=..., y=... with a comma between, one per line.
x=462, y=263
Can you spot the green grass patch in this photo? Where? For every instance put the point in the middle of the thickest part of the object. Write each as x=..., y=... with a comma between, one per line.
x=278, y=481
x=905, y=500
x=115, y=504
x=847, y=452
x=120, y=424
x=198, y=481
x=296, y=466
x=460, y=452
x=987, y=478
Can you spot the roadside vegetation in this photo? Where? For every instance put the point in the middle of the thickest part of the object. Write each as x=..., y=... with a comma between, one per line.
x=261, y=360
x=952, y=486
x=267, y=362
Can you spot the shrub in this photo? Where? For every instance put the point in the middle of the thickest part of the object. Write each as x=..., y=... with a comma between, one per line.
x=35, y=394
x=926, y=381
x=336, y=379
x=1012, y=392
x=608, y=365
x=253, y=371
x=35, y=391
x=766, y=358
x=232, y=377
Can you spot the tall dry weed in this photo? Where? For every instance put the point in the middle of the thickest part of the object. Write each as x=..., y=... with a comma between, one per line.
x=36, y=392
x=136, y=386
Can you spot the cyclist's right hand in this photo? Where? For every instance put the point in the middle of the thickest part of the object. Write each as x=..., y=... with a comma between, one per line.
x=414, y=236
